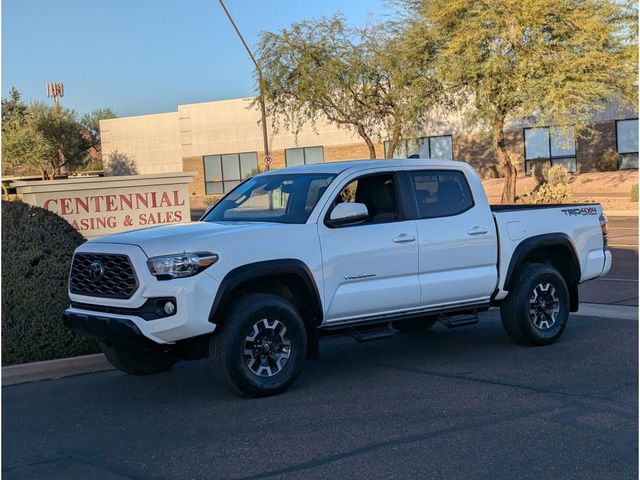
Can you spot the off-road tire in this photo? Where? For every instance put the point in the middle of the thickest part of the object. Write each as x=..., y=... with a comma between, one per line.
x=516, y=310
x=138, y=362
x=415, y=325
x=227, y=346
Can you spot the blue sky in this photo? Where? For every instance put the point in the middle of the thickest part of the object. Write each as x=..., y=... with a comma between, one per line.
x=146, y=56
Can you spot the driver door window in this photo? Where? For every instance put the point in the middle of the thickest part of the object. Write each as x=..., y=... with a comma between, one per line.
x=377, y=192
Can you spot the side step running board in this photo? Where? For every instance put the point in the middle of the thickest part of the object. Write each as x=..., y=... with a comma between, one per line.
x=371, y=334
x=459, y=321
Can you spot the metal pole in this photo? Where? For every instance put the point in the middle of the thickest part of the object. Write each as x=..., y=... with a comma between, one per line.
x=260, y=81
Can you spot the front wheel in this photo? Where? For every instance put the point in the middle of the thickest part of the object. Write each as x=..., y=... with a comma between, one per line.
x=261, y=347
x=138, y=362
x=536, y=310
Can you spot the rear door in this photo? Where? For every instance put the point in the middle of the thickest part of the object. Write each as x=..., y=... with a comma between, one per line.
x=370, y=268
x=456, y=238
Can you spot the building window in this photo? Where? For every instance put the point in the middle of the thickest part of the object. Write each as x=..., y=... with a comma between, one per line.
x=627, y=142
x=438, y=147
x=224, y=172
x=303, y=156
x=554, y=145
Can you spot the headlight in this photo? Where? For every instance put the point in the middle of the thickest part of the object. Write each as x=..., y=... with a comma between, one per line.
x=180, y=265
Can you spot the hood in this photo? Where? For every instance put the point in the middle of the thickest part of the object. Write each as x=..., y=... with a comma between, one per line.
x=181, y=237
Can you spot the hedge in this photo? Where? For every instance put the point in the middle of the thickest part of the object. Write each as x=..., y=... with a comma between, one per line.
x=37, y=247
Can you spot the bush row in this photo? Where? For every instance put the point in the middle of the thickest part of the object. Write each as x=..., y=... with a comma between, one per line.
x=37, y=247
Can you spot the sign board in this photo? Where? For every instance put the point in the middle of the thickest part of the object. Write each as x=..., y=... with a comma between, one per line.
x=268, y=160
x=98, y=206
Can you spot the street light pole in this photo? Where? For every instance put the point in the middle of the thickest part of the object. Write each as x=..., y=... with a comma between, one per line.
x=260, y=82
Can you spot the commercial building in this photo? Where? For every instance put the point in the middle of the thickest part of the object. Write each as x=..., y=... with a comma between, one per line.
x=222, y=142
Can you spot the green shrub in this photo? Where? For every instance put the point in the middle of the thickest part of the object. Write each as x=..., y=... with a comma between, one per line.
x=608, y=161
x=539, y=169
x=553, y=186
x=634, y=193
x=37, y=247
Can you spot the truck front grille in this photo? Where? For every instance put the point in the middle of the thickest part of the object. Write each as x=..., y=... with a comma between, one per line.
x=102, y=275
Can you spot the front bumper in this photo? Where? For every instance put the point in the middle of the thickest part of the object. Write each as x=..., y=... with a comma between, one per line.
x=119, y=331
x=194, y=298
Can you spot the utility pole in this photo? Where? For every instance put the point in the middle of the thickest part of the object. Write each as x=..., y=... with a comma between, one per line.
x=55, y=90
x=265, y=139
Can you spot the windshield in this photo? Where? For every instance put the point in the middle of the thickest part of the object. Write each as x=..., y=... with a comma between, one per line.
x=286, y=198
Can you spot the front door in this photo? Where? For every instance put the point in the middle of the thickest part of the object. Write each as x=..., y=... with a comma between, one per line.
x=370, y=268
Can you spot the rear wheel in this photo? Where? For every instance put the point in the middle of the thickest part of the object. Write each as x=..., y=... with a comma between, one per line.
x=536, y=310
x=261, y=347
x=415, y=325
x=138, y=362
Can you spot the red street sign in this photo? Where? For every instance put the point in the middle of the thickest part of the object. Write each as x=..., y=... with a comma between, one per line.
x=267, y=160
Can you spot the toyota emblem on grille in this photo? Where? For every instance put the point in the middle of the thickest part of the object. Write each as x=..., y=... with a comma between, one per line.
x=96, y=270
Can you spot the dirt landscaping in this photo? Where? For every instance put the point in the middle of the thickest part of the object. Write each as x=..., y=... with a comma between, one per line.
x=611, y=189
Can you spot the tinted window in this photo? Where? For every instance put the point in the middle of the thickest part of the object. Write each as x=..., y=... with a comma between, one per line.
x=440, y=193
x=377, y=192
x=222, y=173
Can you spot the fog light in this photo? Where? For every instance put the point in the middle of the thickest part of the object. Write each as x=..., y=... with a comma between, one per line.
x=169, y=308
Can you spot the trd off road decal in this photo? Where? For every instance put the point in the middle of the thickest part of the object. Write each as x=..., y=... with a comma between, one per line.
x=572, y=212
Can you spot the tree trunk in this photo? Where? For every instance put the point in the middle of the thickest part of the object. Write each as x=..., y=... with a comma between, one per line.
x=367, y=140
x=393, y=143
x=60, y=165
x=510, y=172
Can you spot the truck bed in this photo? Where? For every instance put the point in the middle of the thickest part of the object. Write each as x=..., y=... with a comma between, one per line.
x=577, y=223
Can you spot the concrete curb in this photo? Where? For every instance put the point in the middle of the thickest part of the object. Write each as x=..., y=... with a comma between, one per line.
x=621, y=213
x=52, y=369
x=608, y=311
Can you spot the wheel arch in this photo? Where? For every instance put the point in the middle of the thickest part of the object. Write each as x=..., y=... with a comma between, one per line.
x=555, y=249
x=289, y=278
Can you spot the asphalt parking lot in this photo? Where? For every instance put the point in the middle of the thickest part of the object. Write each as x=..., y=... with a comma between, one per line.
x=620, y=285
x=461, y=403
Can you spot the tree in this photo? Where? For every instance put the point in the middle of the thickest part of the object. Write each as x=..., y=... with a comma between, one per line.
x=350, y=76
x=25, y=150
x=14, y=110
x=64, y=132
x=91, y=122
x=555, y=61
x=119, y=164
x=41, y=129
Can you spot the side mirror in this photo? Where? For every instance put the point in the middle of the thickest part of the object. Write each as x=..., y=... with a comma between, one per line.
x=348, y=214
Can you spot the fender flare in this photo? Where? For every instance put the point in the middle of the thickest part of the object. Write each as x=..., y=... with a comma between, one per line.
x=539, y=241
x=253, y=271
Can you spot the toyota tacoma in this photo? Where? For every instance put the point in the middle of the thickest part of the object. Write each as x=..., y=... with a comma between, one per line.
x=365, y=247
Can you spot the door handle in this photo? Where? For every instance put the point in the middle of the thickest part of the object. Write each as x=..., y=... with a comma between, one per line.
x=477, y=230
x=404, y=238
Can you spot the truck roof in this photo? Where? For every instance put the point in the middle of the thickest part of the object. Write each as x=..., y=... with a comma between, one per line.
x=339, y=167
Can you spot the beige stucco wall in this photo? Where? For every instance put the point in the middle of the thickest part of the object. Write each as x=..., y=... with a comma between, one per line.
x=232, y=126
x=152, y=141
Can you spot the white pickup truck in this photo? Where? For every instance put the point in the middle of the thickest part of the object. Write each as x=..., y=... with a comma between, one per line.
x=293, y=254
